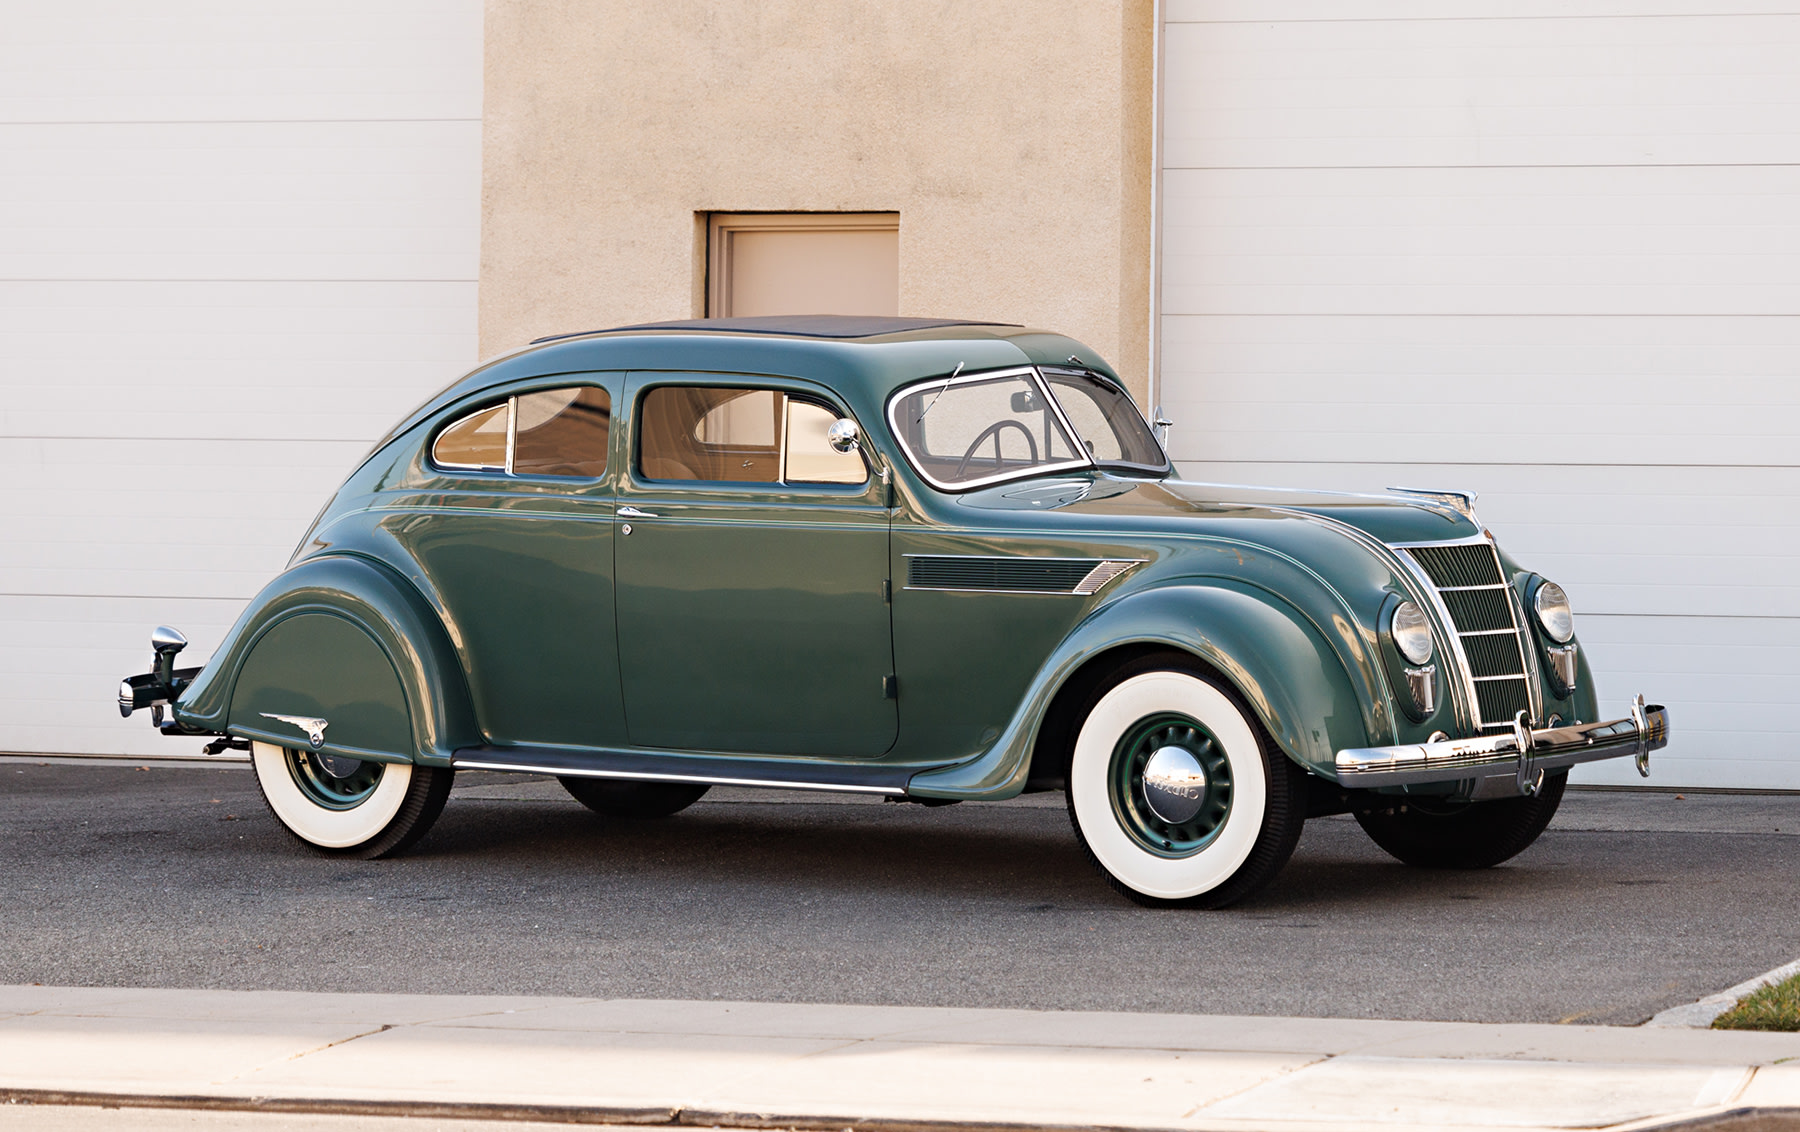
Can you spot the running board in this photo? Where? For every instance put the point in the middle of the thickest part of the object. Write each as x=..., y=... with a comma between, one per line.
x=713, y=770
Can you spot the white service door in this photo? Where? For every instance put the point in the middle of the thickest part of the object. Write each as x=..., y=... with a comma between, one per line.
x=1546, y=250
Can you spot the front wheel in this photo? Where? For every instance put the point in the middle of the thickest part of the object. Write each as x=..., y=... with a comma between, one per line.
x=1176, y=794
x=349, y=807
x=1468, y=835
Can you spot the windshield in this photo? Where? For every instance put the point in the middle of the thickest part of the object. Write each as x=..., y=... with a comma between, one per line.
x=967, y=431
x=1106, y=420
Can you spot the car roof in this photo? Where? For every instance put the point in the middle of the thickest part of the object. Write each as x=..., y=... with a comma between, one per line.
x=793, y=325
x=863, y=358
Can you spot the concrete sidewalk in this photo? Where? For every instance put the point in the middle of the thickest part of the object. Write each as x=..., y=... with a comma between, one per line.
x=761, y=1065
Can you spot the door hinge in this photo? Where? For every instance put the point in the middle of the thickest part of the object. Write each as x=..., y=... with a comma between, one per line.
x=890, y=687
x=887, y=590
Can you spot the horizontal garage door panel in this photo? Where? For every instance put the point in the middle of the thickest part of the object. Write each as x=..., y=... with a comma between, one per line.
x=1437, y=91
x=69, y=656
x=1729, y=683
x=281, y=361
x=1592, y=241
x=1499, y=389
x=143, y=517
x=187, y=60
x=234, y=200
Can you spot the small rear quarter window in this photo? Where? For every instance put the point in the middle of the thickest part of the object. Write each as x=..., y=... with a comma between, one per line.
x=476, y=441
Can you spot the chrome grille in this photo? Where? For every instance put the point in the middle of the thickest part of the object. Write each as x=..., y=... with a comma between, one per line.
x=1473, y=588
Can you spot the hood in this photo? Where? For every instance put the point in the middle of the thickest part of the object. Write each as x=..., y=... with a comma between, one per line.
x=1392, y=518
x=1400, y=517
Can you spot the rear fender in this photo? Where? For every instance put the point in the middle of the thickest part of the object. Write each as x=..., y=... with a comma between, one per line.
x=345, y=640
x=1284, y=669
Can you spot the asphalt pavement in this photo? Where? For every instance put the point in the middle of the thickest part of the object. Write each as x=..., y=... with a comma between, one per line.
x=175, y=877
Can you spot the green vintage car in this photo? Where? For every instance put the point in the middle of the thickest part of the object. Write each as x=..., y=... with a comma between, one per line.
x=930, y=559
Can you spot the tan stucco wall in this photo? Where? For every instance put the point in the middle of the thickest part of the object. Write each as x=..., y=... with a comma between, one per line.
x=1012, y=136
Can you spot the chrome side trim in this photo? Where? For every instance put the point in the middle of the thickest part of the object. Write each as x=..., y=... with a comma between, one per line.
x=1018, y=557
x=713, y=780
x=1108, y=569
x=1519, y=753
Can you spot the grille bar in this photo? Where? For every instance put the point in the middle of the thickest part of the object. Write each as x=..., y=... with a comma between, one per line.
x=1472, y=588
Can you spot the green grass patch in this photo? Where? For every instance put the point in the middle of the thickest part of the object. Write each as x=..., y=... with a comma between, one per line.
x=1766, y=1008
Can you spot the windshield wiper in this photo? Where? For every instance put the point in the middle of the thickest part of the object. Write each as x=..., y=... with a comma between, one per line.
x=948, y=382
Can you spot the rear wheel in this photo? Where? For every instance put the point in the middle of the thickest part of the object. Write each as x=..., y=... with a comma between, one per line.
x=1176, y=793
x=346, y=806
x=1467, y=835
x=622, y=798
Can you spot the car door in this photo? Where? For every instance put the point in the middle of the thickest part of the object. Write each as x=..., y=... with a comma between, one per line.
x=515, y=537
x=752, y=574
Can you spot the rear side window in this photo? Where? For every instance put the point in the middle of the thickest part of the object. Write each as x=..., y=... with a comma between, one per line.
x=722, y=434
x=549, y=432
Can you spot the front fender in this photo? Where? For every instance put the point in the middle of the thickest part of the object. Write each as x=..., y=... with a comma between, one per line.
x=344, y=639
x=1284, y=669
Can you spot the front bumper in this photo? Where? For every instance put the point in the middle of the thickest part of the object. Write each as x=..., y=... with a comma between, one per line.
x=1509, y=762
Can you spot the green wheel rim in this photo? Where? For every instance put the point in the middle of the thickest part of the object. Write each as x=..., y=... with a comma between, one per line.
x=314, y=776
x=1125, y=785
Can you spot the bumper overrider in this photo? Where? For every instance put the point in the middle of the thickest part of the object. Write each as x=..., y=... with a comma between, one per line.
x=1511, y=762
x=160, y=687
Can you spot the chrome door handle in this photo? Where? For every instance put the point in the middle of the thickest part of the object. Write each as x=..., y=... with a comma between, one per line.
x=634, y=513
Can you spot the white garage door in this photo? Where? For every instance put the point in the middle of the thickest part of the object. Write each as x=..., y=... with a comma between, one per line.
x=1545, y=249
x=237, y=241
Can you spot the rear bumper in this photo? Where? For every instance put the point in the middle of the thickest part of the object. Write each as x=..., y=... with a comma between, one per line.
x=1521, y=755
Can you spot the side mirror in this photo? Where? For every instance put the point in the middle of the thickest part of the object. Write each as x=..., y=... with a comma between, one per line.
x=1026, y=401
x=1160, y=425
x=843, y=435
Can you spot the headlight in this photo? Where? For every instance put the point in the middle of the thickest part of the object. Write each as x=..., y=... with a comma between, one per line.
x=1553, y=612
x=1411, y=632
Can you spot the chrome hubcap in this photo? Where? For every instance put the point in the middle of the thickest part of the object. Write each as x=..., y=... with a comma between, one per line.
x=1174, y=785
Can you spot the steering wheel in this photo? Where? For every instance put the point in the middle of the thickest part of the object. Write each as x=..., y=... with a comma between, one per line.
x=994, y=430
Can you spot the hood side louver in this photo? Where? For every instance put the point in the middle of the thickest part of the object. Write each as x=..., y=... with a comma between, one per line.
x=978, y=573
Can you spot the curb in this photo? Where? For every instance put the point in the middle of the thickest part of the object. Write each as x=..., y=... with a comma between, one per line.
x=1730, y=1120
x=1699, y=1015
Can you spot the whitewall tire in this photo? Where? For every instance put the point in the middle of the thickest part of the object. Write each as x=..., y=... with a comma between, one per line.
x=1175, y=795
x=374, y=810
